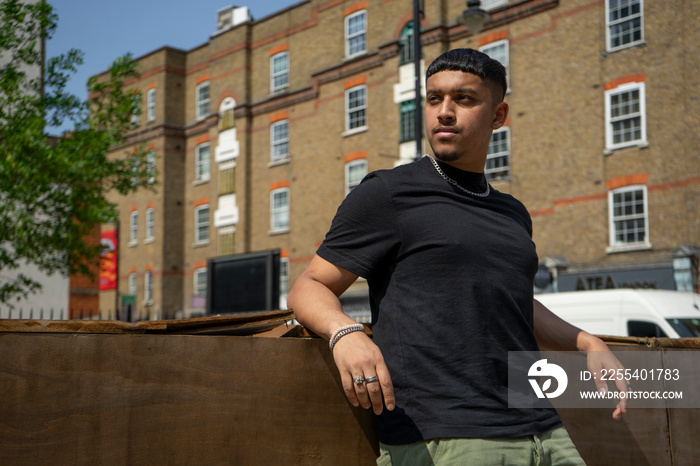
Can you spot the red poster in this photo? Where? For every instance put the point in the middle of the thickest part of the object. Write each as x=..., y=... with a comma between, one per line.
x=108, y=260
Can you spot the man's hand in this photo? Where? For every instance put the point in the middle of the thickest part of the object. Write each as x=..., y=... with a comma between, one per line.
x=558, y=335
x=599, y=358
x=355, y=354
x=314, y=298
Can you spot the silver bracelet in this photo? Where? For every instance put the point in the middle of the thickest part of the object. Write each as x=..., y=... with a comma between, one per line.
x=342, y=331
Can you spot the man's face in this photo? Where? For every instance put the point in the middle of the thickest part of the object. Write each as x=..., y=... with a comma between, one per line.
x=460, y=115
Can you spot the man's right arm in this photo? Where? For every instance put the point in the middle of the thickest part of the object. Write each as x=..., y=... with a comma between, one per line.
x=314, y=300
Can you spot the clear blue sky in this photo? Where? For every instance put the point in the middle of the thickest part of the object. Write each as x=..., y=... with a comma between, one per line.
x=105, y=30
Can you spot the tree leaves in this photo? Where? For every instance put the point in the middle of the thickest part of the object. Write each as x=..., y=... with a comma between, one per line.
x=52, y=188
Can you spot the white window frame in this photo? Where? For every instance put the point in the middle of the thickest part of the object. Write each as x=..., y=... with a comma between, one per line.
x=359, y=108
x=137, y=111
x=610, y=121
x=489, y=50
x=150, y=222
x=279, y=80
x=133, y=227
x=351, y=184
x=151, y=105
x=276, y=210
x=151, y=163
x=202, y=108
x=148, y=287
x=407, y=121
x=202, y=164
x=199, y=288
x=492, y=4
x=621, y=246
x=613, y=24
x=284, y=276
x=505, y=130
x=351, y=36
x=131, y=284
x=201, y=229
x=281, y=143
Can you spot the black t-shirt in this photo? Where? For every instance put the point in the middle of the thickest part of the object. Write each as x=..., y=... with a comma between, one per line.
x=450, y=280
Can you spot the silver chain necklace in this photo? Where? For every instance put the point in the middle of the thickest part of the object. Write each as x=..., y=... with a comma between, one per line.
x=450, y=180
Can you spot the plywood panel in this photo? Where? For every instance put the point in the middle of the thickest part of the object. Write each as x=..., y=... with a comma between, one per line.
x=175, y=399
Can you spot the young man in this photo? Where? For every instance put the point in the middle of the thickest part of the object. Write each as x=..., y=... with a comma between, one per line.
x=450, y=266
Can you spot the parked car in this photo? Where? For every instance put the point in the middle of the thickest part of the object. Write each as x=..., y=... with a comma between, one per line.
x=629, y=312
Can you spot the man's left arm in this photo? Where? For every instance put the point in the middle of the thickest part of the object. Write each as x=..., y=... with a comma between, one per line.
x=553, y=333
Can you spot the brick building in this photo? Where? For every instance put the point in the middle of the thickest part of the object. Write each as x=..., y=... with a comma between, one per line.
x=259, y=133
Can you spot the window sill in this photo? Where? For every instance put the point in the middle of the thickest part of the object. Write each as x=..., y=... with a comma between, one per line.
x=641, y=43
x=638, y=144
x=280, y=162
x=354, y=131
x=354, y=56
x=149, y=240
x=198, y=182
x=200, y=244
x=281, y=231
x=628, y=248
x=132, y=244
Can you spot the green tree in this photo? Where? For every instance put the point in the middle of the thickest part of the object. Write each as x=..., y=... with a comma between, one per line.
x=52, y=189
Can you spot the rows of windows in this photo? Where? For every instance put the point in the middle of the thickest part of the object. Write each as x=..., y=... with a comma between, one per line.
x=355, y=121
x=355, y=171
x=625, y=114
x=355, y=44
x=624, y=105
x=627, y=206
x=625, y=26
x=201, y=227
x=199, y=285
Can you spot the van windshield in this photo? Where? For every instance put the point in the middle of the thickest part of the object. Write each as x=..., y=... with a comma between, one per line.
x=686, y=327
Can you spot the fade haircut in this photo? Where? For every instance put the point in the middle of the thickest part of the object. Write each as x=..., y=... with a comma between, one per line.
x=474, y=62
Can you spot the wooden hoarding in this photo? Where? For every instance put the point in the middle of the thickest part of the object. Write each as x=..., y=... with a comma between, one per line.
x=206, y=391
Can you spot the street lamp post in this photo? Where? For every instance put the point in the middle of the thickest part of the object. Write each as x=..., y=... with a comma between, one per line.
x=418, y=121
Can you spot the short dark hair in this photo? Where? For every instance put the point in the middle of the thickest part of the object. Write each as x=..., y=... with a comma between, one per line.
x=474, y=62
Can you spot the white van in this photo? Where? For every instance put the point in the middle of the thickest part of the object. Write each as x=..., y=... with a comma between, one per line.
x=629, y=312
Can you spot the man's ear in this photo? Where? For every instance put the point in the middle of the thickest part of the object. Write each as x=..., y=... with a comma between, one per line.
x=500, y=115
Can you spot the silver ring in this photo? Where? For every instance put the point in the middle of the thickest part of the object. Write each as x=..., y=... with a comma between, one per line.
x=371, y=379
x=358, y=379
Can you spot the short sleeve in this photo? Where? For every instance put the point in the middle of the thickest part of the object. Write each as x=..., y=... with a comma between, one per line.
x=364, y=236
